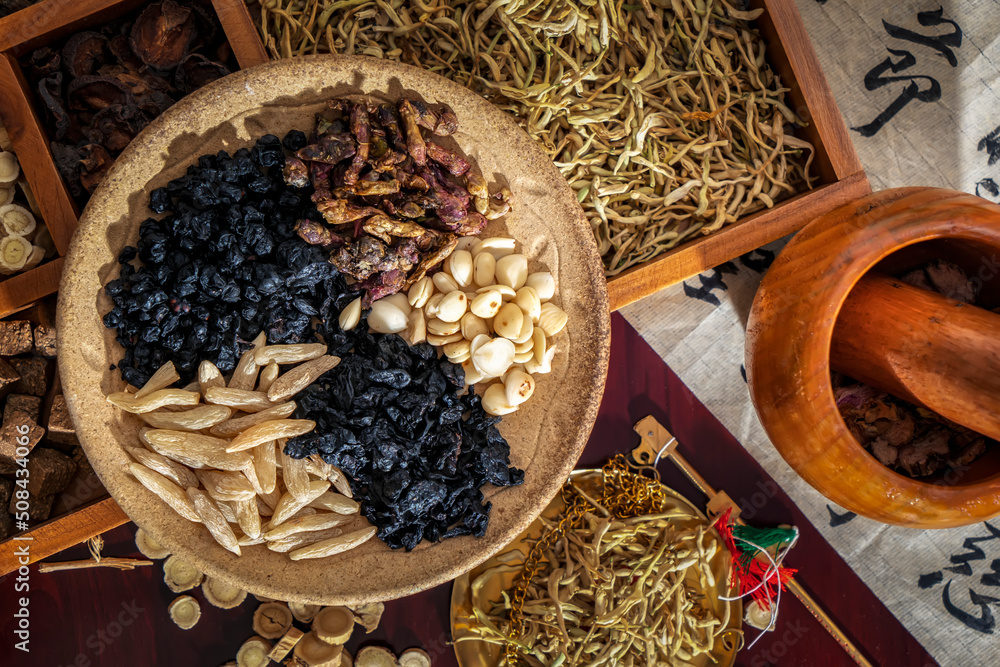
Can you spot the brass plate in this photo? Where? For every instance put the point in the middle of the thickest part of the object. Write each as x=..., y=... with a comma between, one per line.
x=481, y=654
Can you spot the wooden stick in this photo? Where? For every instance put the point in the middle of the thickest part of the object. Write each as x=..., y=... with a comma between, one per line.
x=119, y=563
x=656, y=438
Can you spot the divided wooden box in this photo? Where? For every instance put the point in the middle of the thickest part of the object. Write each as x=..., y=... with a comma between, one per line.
x=789, y=51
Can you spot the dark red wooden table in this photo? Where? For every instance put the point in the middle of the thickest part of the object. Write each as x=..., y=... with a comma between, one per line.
x=109, y=618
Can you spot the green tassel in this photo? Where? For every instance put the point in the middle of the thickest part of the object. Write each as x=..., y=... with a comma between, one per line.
x=765, y=538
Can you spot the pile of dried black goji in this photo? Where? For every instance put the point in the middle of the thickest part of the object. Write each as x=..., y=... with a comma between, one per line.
x=222, y=265
x=415, y=451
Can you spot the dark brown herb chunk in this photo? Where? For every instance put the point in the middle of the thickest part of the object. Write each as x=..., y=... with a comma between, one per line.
x=163, y=33
x=29, y=405
x=15, y=337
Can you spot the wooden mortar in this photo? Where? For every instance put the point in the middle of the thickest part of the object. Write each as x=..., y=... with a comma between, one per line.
x=791, y=331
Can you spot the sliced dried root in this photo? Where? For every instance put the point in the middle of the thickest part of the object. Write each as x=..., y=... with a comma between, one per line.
x=285, y=644
x=196, y=450
x=223, y=595
x=311, y=651
x=180, y=576
x=185, y=612
x=334, y=625
x=414, y=657
x=209, y=375
x=213, y=519
x=267, y=377
x=166, y=490
x=226, y=485
x=175, y=472
x=164, y=376
x=233, y=427
x=336, y=503
x=158, y=399
x=303, y=524
x=368, y=616
x=195, y=419
x=268, y=431
x=149, y=547
x=272, y=620
x=345, y=659
x=241, y=399
x=297, y=540
x=375, y=656
x=289, y=354
x=303, y=613
x=300, y=377
x=334, y=545
x=288, y=505
x=254, y=653
x=245, y=374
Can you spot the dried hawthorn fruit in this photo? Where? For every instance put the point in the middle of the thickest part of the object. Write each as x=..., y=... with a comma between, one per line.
x=84, y=53
x=163, y=34
x=94, y=165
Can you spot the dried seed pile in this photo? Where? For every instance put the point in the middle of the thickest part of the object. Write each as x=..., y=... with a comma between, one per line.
x=100, y=88
x=664, y=116
x=222, y=265
x=223, y=471
x=391, y=197
x=415, y=451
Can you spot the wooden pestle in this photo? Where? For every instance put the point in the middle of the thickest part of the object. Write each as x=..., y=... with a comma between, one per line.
x=924, y=348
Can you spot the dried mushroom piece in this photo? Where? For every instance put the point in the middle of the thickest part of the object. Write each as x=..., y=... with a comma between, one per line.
x=163, y=34
x=149, y=547
x=185, y=612
x=272, y=620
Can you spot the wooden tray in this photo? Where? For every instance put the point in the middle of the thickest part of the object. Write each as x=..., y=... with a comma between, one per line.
x=21, y=32
x=840, y=176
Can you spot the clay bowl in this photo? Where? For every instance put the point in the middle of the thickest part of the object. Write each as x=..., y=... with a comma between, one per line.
x=546, y=436
x=789, y=338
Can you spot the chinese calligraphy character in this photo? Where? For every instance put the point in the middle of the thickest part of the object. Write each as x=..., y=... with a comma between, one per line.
x=838, y=519
x=991, y=144
x=931, y=90
x=984, y=621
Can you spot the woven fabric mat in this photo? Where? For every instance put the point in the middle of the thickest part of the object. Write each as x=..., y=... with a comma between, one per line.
x=918, y=83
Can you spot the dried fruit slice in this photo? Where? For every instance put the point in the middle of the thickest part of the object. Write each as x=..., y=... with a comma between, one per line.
x=334, y=624
x=368, y=616
x=17, y=220
x=223, y=595
x=286, y=644
x=311, y=651
x=414, y=657
x=14, y=253
x=149, y=547
x=375, y=656
x=303, y=612
x=185, y=612
x=180, y=576
x=254, y=653
x=272, y=620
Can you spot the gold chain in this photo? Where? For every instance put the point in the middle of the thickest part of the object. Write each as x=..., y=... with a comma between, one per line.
x=625, y=494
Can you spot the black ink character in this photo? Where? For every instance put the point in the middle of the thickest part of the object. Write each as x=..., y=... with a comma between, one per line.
x=837, y=519
x=710, y=281
x=988, y=184
x=991, y=144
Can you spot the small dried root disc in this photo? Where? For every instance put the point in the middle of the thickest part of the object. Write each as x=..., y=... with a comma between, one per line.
x=311, y=651
x=272, y=620
x=254, y=653
x=185, y=612
x=375, y=656
x=304, y=612
x=346, y=660
x=180, y=576
x=334, y=624
x=414, y=657
x=221, y=594
x=285, y=644
x=368, y=615
x=149, y=547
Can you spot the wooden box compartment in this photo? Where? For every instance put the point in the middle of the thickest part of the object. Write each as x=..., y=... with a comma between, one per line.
x=30, y=28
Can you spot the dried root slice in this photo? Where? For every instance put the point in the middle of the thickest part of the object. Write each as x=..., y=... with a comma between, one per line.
x=195, y=419
x=180, y=576
x=375, y=656
x=196, y=450
x=304, y=524
x=289, y=354
x=295, y=474
x=254, y=653
x=9, y=167
x=154, y=401
x=265, y=467
x=300, y=377
x=297, y=540
x=267, y=377
x=334, y=624
x=149, y=547
x=268, y=431
x=245, y=374
x=226, y=485
x=414, y=657
x=185, y=612
x=311, y=651
x=209, y=375
x=166, y=490
x=336, y=503
x=248, y=518
x=272, y=620
x=304, y=613
x=241, y=399
x=214, y=520
x=339, y=481
x=223, y=595
x=164, y=376
x=285, y=644
x=234, y=427
x=334, y=545
x=368, y=616
x=346, y=660
x=175, y=472
x=289, y=504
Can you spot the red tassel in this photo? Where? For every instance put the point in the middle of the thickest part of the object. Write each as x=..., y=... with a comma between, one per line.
x=747, y=571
